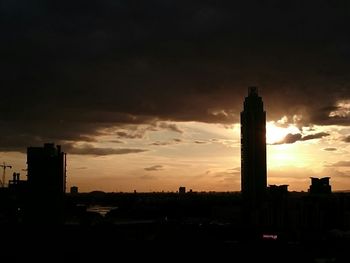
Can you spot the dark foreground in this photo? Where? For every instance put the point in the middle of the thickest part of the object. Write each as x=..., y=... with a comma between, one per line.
x=297, y=227
x=163, y=242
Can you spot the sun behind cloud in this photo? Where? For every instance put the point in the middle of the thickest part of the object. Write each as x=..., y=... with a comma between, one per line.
x=275, y=134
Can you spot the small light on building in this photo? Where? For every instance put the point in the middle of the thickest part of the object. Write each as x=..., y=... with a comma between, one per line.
x=269, y=237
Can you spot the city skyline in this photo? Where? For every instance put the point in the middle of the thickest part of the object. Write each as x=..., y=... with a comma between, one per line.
x=274, y=139
x=148, y=97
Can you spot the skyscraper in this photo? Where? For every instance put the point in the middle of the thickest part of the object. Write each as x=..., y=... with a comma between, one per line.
x=253, y=148
x=46, y=183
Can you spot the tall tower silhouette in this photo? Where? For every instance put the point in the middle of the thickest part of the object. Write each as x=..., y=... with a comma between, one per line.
x=253, y=148
x=46, y=183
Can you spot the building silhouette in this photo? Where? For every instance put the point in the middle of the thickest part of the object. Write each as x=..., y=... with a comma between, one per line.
x=253, y=148
x=74, y=190
x=320, y=186
x=46, y=183
x=16, y=184
x=182, y=190
x=278, y=190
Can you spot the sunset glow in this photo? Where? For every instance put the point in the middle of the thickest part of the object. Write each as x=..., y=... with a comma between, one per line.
x=150, y=96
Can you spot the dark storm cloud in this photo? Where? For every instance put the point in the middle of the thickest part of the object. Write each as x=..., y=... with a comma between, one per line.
x=70, y=68
x=139, y=131
x=17, y=135
x=292, y=138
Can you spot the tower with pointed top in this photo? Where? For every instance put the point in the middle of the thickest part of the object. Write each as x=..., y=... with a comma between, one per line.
x=253, y=148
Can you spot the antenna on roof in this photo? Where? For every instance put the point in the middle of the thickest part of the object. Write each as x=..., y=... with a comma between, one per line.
x=252, y=91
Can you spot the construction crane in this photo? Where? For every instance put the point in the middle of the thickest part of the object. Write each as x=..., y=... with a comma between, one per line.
x=4, y=166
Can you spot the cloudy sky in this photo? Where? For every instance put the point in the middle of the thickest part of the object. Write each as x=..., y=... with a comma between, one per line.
x=146, y=95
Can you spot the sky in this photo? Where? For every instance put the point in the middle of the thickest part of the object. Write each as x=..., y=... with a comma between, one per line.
x=146, y=95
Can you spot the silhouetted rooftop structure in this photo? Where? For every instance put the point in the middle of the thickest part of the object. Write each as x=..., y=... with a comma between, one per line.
x=182, y=190
x=74, y=190
x=16, y=184
x=278, y=189
x=320, y=186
